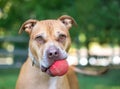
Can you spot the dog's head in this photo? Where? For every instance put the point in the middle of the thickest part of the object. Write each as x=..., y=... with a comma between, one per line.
x=49, y=40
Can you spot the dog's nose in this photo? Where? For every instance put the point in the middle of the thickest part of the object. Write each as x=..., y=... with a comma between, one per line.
x=53, y=52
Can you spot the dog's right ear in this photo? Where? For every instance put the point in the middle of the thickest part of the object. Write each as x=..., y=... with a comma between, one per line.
x=68, y=21
x=27, y=26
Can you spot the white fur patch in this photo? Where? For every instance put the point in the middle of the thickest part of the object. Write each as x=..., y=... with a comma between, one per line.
x=53, y=83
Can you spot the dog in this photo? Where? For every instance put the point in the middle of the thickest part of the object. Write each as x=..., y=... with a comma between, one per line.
x=49, y=43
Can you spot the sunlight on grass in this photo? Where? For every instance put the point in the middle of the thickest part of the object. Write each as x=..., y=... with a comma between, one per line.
x=106, y=87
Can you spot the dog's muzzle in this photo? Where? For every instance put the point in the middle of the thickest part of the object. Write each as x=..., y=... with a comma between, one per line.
x=50, y=56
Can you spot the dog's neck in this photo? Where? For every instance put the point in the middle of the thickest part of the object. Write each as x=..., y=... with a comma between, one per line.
x=34, y=61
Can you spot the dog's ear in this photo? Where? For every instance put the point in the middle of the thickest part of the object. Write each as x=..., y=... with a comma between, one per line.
x=27, y=26
x=67, y=21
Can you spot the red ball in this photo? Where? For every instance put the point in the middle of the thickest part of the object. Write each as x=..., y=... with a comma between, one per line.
x=59, y=68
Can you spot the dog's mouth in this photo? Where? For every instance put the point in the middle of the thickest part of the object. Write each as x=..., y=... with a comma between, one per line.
x=58, y=68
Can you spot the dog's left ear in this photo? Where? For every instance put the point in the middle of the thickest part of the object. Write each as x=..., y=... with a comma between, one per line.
x=67, y=21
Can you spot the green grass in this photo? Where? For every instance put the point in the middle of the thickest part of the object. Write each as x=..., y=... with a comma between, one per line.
x=111, y=80
x=8, y=78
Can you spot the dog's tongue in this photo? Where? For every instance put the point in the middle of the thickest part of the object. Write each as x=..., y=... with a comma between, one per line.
x=58, y=68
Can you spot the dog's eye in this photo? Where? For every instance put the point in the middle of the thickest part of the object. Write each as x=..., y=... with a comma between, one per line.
x=62, y=38
x=40, y=39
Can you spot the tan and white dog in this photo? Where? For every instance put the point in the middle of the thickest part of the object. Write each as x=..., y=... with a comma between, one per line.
x=49, y=42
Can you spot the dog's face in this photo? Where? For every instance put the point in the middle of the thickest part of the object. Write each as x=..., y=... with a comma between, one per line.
x=49, y=39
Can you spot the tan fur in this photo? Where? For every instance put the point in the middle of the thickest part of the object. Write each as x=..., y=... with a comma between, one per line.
x=31, y=77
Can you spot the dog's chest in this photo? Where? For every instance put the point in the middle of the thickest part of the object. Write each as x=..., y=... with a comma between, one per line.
x=53, y=83
x=58, y=83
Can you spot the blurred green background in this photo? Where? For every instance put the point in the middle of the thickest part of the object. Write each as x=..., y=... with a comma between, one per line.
x=98, y=21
